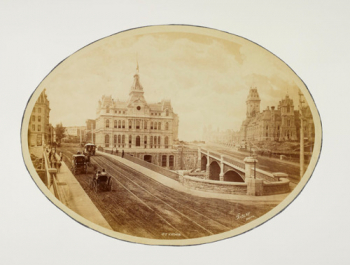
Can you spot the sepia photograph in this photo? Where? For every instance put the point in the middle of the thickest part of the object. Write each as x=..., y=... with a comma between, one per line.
x=171, y=135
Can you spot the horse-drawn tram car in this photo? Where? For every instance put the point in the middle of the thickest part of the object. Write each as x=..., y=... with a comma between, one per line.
x=89, y=149
x=79, y=163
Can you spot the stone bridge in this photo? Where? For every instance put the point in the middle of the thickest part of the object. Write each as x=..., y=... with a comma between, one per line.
x=223, y=168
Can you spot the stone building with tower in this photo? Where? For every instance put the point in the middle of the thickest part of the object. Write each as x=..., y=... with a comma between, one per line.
x=272, y=124
x=148, y=131
x=40, y=130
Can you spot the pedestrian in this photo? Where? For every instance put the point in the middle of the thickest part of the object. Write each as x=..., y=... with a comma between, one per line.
x=59, y=163
x=123, y=153
x=52, y=158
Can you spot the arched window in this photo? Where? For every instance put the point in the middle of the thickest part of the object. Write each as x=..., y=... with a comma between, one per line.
x=119, y=124
x=107, y=140
x=151, y=141
x=159, y=126
x=137, y=124
x=123, y=140
x=145, y=124
x=123, y=125
x=155, y=141
x=33, y=127
x=155, y=125
x=158, y=141
x=119, y=139
x=115, y=124
x=171, y=162
x=39, y=118
x=115, y=140
x=166, y=141
x=163, y=160
x=39, y=128
x=107, y=123
x=145, y=141
x=151, y=125
x=166, y=126
x=138, y=141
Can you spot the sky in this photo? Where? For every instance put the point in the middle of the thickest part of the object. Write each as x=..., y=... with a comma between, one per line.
x=206, y=77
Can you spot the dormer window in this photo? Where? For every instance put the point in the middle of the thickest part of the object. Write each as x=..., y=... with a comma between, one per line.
x=138, y=108
x=107, y=109
x=167, y=113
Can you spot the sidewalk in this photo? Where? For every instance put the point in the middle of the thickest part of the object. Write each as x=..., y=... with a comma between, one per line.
x=273, y=199
x=76, y=199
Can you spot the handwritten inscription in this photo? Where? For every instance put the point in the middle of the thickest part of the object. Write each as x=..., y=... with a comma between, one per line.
x=171, y=234
x=246, y=216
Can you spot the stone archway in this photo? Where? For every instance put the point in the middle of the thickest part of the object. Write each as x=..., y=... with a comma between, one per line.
x=214, y=171
x=204, y=162
x=233, y=176
x=148, y=158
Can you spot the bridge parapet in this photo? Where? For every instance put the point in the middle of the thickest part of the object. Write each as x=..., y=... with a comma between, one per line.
x=238, y=165
x=235, y=162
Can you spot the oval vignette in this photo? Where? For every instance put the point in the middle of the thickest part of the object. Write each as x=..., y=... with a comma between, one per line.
x=171, y=135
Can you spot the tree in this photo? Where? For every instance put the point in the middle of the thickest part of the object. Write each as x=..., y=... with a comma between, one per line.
x=60, y=132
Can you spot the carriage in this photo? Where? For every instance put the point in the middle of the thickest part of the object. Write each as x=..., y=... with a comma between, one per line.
x=101, y=182
x=89, y=149
x=79, y=164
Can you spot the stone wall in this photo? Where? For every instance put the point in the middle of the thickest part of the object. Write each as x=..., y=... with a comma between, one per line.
x=153, y=167
x=279, y=187
x=215, y=186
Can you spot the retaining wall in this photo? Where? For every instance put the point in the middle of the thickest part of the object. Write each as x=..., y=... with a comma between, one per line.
x=278, y=187
x=153, y=167
x=238, y=188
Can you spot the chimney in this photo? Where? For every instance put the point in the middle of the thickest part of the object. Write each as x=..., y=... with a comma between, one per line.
x=272, y=107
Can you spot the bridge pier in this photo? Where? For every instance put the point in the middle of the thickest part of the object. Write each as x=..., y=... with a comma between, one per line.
x=199, y=159
x=249, y=167
x=221, y=168
x=207, y=171
x=254, y=186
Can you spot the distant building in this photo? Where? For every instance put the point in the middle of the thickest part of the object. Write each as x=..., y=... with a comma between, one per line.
x=146, y=130
x=90, y=131
x=40, y=131
x=281, y=124
x=75, y=134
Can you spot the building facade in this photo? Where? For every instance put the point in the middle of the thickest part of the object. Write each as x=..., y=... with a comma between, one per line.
x=281, y=124
x=40, y=131
x=146, y=130
x=271, y=124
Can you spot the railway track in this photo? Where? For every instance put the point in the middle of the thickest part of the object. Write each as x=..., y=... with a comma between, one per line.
x=140, y=206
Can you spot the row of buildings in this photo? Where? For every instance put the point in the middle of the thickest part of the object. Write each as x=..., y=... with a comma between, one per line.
x=272, y=124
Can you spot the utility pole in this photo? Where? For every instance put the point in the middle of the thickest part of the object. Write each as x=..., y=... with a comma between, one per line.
x=301, y=113
x=92, y=134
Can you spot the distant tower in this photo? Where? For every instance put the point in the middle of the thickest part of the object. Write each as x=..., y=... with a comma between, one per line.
x=253, y=103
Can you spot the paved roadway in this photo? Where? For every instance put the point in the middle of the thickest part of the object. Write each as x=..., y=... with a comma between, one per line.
x=140, y=206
